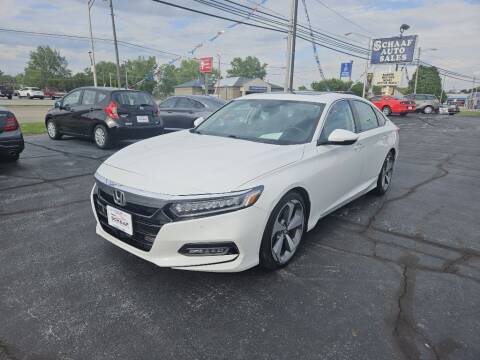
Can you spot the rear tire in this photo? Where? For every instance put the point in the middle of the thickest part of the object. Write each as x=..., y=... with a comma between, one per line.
x=102, y=138
x=12, y=158
x=284, y=232
x=52, y=130
x=427, y=110
x=385, y=177
x=386, y=110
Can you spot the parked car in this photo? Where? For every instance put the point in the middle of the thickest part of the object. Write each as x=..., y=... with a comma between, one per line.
x=393, y=105
x=11, y=138
x=31, y=93
x=105, y=115
x=426, y=103
x=448, y=109
x=53, y=93
x=179, y=112
x=244, y=186
x=6, y=91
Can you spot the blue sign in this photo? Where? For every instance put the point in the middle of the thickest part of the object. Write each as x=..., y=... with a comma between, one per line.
x=259, y=89
x=393, y=50
x=346, y=70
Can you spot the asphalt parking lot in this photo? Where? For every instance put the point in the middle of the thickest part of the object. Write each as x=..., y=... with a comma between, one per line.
x=396, y=277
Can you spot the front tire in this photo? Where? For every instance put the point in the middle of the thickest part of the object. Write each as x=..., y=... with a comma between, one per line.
x=285, y=230
x=385, y=177
x=52, y=130
x=102, y=138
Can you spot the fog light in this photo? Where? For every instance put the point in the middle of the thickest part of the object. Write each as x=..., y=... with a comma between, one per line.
x=213, y=249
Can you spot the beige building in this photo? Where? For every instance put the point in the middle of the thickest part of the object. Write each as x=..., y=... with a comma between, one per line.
x=194, y=87
x=231, y=88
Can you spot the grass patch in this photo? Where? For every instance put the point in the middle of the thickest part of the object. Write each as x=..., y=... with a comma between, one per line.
x=469, y=113
x=33, y=128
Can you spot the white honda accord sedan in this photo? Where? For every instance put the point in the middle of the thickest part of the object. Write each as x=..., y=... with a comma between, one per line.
x=245, y=185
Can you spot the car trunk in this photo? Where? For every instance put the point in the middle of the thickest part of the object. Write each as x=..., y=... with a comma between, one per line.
x=135, y=108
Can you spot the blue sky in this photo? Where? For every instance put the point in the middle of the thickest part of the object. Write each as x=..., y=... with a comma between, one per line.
x=451, y=26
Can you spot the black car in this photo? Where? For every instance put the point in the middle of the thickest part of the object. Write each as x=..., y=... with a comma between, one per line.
x=6, y=91
x=179, y=112
x=11, y=138
x=104, y=115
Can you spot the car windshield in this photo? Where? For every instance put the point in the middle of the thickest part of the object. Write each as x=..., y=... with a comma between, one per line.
x=133, y=98
x=271, y=121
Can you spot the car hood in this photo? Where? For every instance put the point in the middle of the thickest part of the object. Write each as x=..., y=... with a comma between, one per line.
x=184, y=163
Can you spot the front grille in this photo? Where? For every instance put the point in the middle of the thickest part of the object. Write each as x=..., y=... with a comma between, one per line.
x=147, y=221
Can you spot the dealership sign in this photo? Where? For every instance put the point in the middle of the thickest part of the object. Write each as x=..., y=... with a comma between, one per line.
x=387, y=78
x=206, y=65
x=393, y=50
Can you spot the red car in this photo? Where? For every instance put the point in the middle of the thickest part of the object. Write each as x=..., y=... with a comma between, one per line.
x=394, y=105
x=53, y=93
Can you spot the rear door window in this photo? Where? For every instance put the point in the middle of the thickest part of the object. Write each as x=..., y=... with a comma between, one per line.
x=184, y=103
x=169, y=103
x=365, y=115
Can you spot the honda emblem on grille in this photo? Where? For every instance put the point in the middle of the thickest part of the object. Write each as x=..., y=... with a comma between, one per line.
x=119, y=197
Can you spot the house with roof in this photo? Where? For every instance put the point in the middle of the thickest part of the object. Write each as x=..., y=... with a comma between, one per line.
x=228, y=88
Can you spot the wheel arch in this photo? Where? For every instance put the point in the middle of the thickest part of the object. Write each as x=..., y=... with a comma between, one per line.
x=304, y=194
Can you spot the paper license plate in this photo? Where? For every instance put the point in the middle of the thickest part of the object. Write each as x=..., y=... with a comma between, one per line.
x=120, y=220
x=142, y=118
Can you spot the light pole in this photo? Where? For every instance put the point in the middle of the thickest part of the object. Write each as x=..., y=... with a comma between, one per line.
x=369, y=46
x=119, y=84
x=418, y=66
x=92, y=59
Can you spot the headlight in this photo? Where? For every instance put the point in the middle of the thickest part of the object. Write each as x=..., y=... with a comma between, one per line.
x=216, y=204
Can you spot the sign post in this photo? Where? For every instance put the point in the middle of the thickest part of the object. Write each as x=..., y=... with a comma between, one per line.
x=206, y=67
x=346, y=70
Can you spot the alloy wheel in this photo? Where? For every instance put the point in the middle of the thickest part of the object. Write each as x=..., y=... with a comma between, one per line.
x=386, y=110
x=387, y=171
x=100, y=136
x=428, y=110
x=51, y=129
x=287, y=231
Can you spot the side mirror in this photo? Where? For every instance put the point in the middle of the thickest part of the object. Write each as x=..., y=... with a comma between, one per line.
x=198, y=121
x=57, y=104
x=341, y=137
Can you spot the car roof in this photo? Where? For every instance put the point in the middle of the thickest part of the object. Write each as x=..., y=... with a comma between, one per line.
x=106, y=88
x=327, y=97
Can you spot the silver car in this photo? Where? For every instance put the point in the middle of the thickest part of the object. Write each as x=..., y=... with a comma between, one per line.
x=426, y=103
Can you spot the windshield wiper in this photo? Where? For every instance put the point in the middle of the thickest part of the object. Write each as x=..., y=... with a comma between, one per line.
x=194, y=131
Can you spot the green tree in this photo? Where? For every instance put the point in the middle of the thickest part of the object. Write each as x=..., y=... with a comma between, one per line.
x=167, y=80
x=331, y=85
x=105, y=70
x=249, y=67
x=429, y=81
x=302, y=88
x=46, y=67
x=188, y=70
x=140, y=73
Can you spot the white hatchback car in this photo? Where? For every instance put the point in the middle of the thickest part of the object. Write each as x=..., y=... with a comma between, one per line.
x=245, y=185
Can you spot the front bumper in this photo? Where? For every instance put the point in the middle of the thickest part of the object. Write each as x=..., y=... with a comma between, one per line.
x=244, y=228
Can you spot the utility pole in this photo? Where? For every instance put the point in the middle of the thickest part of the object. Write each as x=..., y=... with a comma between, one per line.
x=89, y=6
x=292, y=35
x=443, y=87
x=472, y=103
x=115, y=43
x=219, y=74
x=126, y=74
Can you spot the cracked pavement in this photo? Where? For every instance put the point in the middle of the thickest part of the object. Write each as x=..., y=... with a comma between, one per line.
x=393, y=277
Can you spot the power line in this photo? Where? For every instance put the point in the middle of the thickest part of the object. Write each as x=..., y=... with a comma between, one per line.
x=86, y=38
x=343, y=16
x=332, y=45
x=315, y=52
